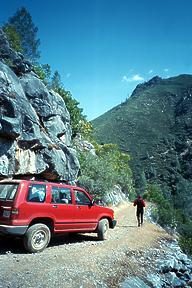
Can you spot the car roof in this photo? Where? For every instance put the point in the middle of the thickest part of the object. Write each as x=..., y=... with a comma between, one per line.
x=40, y=181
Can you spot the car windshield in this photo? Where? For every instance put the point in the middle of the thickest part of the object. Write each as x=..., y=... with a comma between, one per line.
x=8, y=191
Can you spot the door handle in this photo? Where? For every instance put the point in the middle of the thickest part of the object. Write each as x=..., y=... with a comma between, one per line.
x=55, y=206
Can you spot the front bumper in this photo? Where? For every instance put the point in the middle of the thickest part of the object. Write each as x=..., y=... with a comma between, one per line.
x=13, y=230
x=113, y=224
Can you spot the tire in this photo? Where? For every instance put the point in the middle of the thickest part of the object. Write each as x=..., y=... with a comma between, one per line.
x=37, y=238
x=102, y=230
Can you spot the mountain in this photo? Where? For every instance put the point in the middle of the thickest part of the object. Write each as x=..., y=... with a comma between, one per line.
x=155, y=127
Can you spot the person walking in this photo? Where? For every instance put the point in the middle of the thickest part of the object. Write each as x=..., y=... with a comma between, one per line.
x=140, y=203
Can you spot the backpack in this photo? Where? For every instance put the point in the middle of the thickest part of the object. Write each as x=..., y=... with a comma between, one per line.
x=140, y=203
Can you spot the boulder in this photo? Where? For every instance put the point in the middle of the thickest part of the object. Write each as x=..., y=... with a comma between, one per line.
x=155, y=280
x=172, y=279
x=35, y=131
x=15, y=59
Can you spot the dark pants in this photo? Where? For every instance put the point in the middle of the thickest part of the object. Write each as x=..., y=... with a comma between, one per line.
x=140, y=217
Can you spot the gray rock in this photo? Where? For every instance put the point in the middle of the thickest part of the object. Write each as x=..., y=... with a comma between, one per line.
x=50, y=108
x=182, y=268
x=186, y=276
x=35, y=132
x=16, y=60
x=172, y=279
x=155, y=280
x=134, y=282
x=166, y=265
x=182, y=257
x=7, y=161
x=189, y=267
x=176, y=265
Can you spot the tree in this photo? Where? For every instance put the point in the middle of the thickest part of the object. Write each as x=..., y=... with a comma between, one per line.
x=56, y=81
x=78, y=120
x=13, y=37
x=109, y=167
x=44, y=72
x=22, y=22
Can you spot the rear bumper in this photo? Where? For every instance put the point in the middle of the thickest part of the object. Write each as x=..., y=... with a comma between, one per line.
x=13, y=230
x=113, y=224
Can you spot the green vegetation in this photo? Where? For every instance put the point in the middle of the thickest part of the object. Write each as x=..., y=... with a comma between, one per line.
x=79, y=123
x=13, y=37
x=44, y=72
x=166, y=215
x=25, y=38
x=155, y=127
x=186, y=244
x=109, y=167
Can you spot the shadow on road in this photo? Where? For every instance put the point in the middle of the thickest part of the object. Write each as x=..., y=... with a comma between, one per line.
x=72, y=238
x=11, y=245
x=15, y=245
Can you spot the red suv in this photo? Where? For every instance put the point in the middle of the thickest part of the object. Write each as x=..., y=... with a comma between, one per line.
x=35, y=210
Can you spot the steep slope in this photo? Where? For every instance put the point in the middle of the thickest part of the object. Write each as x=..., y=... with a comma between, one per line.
x=155, y=127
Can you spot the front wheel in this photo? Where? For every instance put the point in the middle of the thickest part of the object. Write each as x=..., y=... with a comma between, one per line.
x=37, y=238
x=102, y=230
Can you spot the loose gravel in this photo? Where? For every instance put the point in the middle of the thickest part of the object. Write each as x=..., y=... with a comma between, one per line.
x=80, y=261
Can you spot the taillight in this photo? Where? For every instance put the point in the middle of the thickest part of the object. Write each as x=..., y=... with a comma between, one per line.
x=15, y=211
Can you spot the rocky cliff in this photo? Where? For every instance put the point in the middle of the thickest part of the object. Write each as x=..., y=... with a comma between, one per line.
x=35, y=132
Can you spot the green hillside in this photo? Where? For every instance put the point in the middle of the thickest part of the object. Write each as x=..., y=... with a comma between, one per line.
x=155, y=127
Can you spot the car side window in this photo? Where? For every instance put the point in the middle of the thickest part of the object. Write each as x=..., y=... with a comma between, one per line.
x=61, y=195
x=81, y=198
x=36, y=193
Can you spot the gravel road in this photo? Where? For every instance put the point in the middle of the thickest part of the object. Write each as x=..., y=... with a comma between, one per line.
x=79, y=261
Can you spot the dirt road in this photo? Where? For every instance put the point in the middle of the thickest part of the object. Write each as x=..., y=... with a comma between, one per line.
x=80, y=261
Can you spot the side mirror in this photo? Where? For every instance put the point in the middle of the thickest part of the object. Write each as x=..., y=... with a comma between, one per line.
x=92, y=202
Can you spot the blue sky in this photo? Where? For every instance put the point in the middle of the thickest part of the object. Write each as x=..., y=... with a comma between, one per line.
x=104, y=48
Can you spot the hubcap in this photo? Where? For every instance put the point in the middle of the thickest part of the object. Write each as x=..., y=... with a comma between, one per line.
x=39, y=239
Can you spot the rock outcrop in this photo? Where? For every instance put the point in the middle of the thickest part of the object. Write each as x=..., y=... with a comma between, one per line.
x=165, y=266
x=35, y=132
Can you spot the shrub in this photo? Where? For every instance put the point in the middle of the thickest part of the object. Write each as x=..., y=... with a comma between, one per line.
x=186, y=244
x=108, y=168
x=166, y=212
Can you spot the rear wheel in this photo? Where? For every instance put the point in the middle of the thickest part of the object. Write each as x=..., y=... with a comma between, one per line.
x=102, y=230
x=37, y=238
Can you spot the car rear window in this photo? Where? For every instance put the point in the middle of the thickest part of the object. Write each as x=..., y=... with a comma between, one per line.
x=8, y=191
x=36, y=193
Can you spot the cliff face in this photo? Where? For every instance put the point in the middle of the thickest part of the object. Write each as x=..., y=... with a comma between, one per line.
x=155, y=127
x=35, y=132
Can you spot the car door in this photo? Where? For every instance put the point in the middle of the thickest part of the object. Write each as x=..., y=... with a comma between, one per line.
x=35, y=205
x=85, y=212
x=62, y=209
